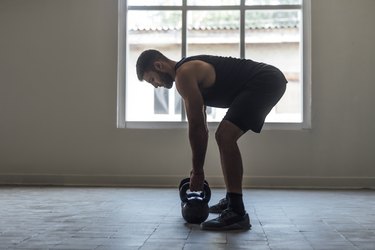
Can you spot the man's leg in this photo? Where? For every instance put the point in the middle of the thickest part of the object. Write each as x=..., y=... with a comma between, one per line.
x=227, y=136
x=235, y=216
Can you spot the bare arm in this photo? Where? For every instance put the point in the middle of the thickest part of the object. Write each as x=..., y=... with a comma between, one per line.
x=188, y=88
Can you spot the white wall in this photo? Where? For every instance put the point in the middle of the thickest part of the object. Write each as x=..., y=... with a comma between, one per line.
x=58, y=105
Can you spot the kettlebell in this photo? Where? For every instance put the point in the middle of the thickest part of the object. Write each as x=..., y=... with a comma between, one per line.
x=194, y=205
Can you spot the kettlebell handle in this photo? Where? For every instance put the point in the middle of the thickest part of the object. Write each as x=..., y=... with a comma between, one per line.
x=206, y=192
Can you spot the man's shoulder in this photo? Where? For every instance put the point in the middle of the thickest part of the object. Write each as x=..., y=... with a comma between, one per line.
x=196, y=72
x=191, y=66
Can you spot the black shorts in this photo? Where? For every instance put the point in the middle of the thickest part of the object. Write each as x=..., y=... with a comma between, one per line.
x=251, y=106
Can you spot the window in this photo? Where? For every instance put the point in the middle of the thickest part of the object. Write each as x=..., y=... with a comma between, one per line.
x=270, y=31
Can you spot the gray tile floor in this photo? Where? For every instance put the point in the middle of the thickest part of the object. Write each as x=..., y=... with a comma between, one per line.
x=129, y=218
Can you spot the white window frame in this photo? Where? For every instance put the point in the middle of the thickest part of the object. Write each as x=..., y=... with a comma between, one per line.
x=122, y=59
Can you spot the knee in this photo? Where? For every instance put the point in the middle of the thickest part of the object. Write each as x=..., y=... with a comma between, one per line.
x=218, y=136
x=227, y=134
x=223, y=138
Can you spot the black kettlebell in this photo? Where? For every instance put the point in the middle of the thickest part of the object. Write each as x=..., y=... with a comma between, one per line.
x=194, y=205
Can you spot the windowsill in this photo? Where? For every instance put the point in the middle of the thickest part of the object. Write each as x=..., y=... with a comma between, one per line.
x=211, y=125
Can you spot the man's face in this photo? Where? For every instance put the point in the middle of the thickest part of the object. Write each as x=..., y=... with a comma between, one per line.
x=158, y=79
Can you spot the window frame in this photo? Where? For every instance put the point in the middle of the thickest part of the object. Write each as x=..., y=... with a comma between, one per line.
x=122, y=59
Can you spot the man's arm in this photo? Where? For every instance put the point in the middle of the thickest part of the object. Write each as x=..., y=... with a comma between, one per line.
x=188, y=88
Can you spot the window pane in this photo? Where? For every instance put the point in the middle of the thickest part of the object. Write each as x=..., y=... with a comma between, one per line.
x=214, y=33
x=210, y=2
x=274, y=37
x=272, y=2
x=154, y=2
x=161, y=101
x=159, y=30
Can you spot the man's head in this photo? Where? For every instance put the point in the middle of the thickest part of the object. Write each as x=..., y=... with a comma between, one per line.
x=151, y=67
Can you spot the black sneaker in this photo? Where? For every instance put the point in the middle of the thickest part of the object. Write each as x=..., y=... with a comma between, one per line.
x=228, y=220
x=219, y=207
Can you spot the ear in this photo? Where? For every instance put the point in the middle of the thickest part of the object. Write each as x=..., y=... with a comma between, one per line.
x=158, y=65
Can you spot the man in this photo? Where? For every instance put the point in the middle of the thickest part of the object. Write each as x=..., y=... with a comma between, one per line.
x=247, y=88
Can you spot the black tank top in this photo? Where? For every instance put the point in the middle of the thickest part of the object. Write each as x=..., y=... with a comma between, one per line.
x=232, y=75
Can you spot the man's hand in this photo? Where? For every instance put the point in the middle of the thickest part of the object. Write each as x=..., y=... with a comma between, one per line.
x=196, y=181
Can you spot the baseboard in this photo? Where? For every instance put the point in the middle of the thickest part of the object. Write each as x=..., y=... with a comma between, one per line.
x=172, y=181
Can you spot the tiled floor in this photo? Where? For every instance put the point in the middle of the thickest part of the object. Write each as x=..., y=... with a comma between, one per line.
x=125, y=218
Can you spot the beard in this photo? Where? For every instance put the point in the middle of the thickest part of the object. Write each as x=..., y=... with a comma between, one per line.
x=166, y=79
